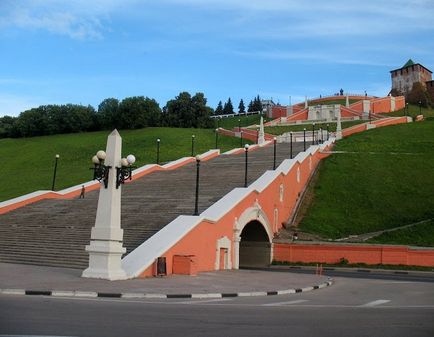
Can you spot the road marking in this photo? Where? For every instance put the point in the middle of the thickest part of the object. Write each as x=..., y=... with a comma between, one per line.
x=375, y=303
x=205, y=301
x=284, y=303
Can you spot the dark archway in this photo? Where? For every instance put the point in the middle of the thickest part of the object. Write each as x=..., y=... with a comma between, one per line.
x=255, y=248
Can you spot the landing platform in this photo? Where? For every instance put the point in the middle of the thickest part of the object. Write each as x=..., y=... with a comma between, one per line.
x=51, y=281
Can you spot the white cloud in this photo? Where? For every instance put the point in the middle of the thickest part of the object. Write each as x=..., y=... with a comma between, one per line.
x=12, y=105
x=76, y=19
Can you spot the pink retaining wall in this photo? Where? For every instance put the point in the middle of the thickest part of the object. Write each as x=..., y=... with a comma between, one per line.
x=200, y=242
x=369, y=254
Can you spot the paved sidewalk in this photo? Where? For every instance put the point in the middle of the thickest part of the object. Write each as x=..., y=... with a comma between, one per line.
x=232, y=282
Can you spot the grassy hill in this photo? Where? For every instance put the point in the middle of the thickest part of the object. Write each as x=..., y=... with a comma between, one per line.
x=232, y=122
x=413, y=110
x=278, y=130
x=28, y=163
x=383, y=179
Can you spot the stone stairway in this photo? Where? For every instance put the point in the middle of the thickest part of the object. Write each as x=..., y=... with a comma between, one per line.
x=55, y=232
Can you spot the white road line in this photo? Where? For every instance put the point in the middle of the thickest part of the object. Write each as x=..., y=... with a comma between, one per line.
x=284, y=303
x=205, y=301
x=375, y=303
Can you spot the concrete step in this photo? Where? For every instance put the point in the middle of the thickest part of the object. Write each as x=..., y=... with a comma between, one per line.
x=54, y=232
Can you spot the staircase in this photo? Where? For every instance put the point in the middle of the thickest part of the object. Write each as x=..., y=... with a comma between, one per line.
x=55, y=232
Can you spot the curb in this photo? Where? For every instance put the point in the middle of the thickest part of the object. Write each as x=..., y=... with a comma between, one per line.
x=358, y=270
x=94, y=294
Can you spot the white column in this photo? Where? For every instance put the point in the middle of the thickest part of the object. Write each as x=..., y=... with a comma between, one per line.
x=339, y=127
x=261, y=134
x=105, y=248
x=347, y=102
x=305, y=102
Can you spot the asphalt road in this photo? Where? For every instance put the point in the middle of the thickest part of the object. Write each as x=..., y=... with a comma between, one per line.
x=351, y=307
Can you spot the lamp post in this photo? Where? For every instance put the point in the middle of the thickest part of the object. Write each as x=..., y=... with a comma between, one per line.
x=257, y=136
x=158, y=151
x=100, y=170
x=304, y=139
x=125, y=171
x=246, y=151
x=420, y=108
x=196, y=200
x=320, y=136
x=216, y=138
x=239, y=125
x=290, y=145
x=55, y=171
x=406, y=109
x=313, y=134
x=327, y=132
x=193, y=137
x=274, y=153
x=241, y=139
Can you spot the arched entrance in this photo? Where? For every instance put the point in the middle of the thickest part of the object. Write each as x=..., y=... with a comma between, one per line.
x=255, y=247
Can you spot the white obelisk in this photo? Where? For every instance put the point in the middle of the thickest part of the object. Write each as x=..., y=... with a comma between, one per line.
x=339, y=127
x=261, y=134
x=105, y=248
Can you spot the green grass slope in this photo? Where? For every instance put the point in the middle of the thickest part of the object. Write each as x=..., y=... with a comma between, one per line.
x=28, y=163
x=419, y=235
x=385, y=180
x=278, y=130
x=232, y=122
x=413, y=111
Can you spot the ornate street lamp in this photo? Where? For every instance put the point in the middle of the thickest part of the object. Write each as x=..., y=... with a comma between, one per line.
x=246, y=151
x=193, y=137
x=55, y=171
x=420, y=108
x=125, y=171
x=196, y=200
x=327, y=132
x=100, y=171
x=313, y=134
x=158, y=151
x=241, y=138
x=290, y=145
x=216, y=138
x=274, y=153
x=304, y=139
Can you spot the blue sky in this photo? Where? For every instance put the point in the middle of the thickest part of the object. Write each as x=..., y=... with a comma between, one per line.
x=83, y=51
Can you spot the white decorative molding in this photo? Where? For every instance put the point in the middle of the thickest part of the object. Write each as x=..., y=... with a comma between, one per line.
x=223, y=243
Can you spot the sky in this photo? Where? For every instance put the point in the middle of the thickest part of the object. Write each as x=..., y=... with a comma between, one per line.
x=83, y=51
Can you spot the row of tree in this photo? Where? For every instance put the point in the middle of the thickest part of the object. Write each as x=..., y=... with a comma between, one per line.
x=228, y=109
x=130, y=113
x=418, y=93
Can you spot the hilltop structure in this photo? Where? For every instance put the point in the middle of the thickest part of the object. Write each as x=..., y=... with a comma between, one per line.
x=404, y=78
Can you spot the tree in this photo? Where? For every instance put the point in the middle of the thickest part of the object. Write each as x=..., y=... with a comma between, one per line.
x=250, y=106
x=138, y=112
x=257, y=104
x=6, y=126
x=241, y=107
x=186, y=111
x=418, y=93
x=219, y=109
x=395, y=92
x=228, y=108
x=107, y=115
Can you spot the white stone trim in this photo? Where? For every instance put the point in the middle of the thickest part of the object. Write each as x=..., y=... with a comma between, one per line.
x=224, y=243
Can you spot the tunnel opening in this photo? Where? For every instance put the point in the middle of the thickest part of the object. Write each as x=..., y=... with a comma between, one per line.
x=255, y=247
